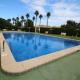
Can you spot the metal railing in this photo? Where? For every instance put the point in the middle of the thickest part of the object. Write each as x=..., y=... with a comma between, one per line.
x=3, y=45
x=0, y=56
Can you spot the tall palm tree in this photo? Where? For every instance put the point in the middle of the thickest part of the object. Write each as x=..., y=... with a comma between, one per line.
x=13, y=19
x=36, y=13
x=9, y=20
x=40, y=17
x=33, y=19
x=22, y=20
x=27, y=16
x=48, y=15
x=17, y=18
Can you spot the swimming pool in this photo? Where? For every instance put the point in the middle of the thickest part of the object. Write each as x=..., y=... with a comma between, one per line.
x=26, y=46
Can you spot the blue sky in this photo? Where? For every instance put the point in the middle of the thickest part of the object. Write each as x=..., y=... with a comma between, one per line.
x=61, y=10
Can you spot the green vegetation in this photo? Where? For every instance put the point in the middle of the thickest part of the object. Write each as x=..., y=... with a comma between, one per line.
x=48, y=15
x=71, y=28
x=21, y=22
x=40, y=17
x=69, y=37
x=66, y=68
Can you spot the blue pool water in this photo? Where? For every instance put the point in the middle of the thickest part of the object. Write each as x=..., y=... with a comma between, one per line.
x=25, y=46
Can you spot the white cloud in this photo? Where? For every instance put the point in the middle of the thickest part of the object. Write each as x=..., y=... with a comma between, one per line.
x=36, y=5
x=25, y=1
x=65, y=11
x=61, y=11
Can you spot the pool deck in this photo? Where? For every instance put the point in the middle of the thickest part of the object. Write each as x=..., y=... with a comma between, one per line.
x=8, y=64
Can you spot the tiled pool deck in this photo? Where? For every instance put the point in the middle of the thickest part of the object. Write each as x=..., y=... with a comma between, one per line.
x=9, y=65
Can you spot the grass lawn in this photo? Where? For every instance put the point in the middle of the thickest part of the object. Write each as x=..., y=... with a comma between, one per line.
x=66, y=68
x=70, y=37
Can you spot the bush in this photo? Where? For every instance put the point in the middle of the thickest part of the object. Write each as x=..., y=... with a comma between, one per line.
x=71, y=28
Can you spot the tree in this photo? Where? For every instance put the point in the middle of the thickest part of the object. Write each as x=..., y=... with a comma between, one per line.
x=78, y=29
x=36, y=13
x=22, y=20
x=2, y=23
x=33, y=19
x=30, y=24
x=13, y=19
x=18, y=24
x=40, y=17
x=17, y=18
x=9, y=20
x=48, y=15
x=5, y=24
x=71, y=28
x=27, y=16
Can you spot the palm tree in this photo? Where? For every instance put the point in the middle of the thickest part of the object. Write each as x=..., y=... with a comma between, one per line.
x=48, y=15
x=27, y=16
x=33, y=19
x=13, y=19
x=36, y=13
x=9, y=20
x=17, y=18
x=22, y=20
x=40, y=16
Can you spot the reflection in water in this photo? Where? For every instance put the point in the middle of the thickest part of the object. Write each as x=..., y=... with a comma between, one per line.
x=46, y=46
x=28, y=45
x=39, y=43
x=35, y=45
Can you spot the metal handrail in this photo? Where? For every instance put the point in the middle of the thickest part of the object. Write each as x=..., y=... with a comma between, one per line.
x=0, y=55
x=3, y=45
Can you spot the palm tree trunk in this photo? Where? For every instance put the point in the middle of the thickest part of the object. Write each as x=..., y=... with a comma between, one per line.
x=40, y=22
x=35, y=24
x=27, y=22
x=39, y=29
x=47, y=22
x=29, y=29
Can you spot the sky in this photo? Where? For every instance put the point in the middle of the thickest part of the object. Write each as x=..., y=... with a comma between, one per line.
x=61, y=10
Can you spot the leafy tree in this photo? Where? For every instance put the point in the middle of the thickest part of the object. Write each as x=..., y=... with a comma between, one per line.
x=18, y=25
x=5, y=24
x=30, y=23
x=71, y=28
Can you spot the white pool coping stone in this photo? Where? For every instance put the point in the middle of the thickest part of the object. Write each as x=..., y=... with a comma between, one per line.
x=8, y=63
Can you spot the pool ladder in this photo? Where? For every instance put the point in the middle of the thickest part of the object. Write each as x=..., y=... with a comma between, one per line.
x=3, y=45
